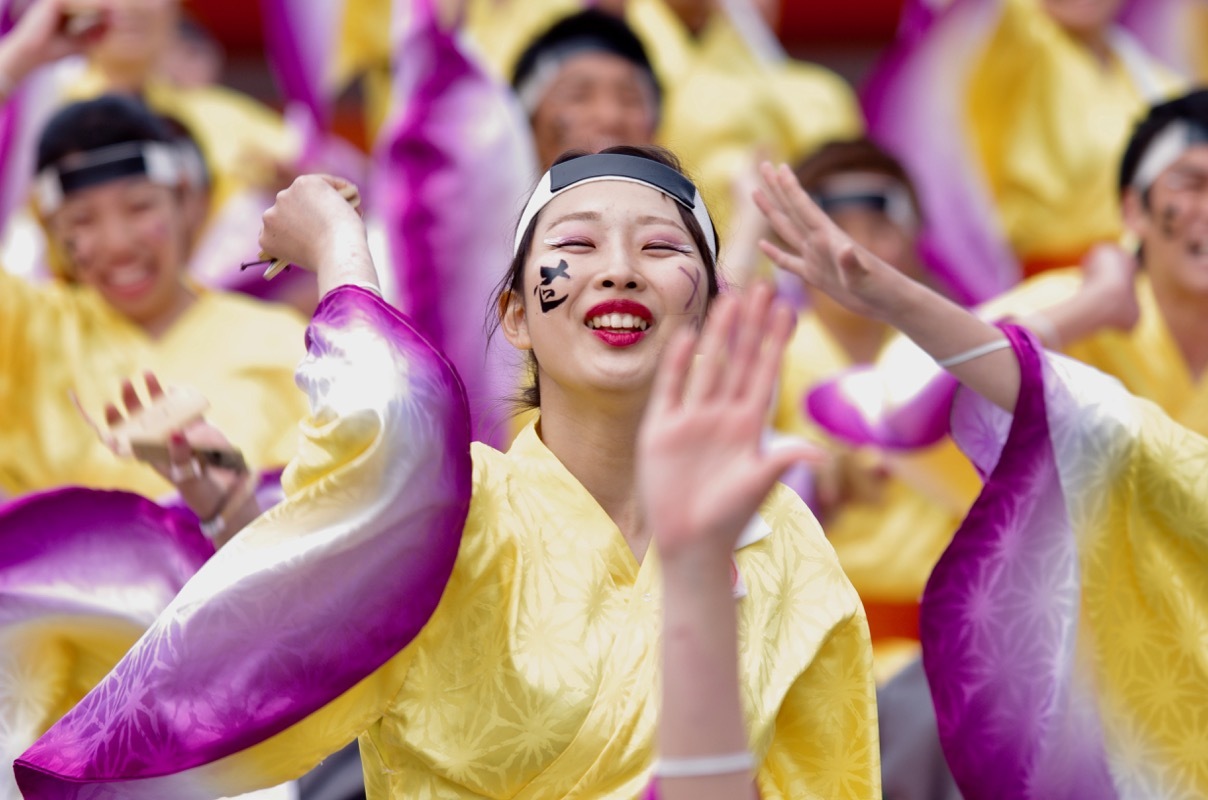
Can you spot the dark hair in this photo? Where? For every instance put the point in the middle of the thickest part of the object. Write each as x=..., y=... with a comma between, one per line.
x=513, y=281
x=92, y=124
x=591, y=29
x=1192, y=107
x=841, y=157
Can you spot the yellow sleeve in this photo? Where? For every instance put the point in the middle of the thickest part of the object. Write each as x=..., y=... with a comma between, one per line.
x=825, y=743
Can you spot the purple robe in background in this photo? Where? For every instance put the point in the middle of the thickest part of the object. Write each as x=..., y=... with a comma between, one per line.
x=452, y=168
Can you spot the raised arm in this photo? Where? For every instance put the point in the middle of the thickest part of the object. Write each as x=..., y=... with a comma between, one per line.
x=47, y=31
x=312, y=226
x=825, y=257
x=702, y=474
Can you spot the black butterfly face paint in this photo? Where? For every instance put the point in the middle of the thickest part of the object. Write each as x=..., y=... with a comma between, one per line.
x=545, y=292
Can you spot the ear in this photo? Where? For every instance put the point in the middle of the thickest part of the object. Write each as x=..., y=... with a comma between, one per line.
x=513, y=320
x=1135, y=214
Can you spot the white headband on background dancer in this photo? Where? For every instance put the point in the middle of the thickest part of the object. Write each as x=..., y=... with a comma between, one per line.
x=1166, y=148
x=617, y=167
x=159, y=162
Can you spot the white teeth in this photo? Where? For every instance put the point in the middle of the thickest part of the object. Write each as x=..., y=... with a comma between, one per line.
x=128, y=276
x=618, y=322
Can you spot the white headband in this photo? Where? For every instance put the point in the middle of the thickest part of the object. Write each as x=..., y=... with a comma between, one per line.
x=1165, y=149
x=882, y=192
x=616, y=167
x=160, y=162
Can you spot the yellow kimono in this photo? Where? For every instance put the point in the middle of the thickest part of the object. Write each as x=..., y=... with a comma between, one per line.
x=57, y=338
x=887, y=547
x=1146, y=359
x=1048, y=122
x=533, y=673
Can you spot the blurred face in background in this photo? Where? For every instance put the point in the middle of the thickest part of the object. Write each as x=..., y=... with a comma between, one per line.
x=140, y=33
x=597, y=100
x=125, y=238
x=1172, y=224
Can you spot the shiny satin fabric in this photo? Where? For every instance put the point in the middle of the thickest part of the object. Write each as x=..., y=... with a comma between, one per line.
x=305, y=604
x=1062, y=630
x=82, y=574
x=535, y=676
x=451, y=168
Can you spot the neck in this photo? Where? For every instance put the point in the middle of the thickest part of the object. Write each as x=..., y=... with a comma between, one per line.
x=859, y=337
x=159, y=323
x=597, y=444
x=1096, y=41
x=128, y=77
x=1186, y=317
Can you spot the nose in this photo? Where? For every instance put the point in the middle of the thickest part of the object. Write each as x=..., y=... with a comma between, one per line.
x=112, y=242
x=621, y=270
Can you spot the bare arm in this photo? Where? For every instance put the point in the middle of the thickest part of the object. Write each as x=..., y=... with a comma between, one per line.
x=41, y=36
x=702, y=475
x=827, y=259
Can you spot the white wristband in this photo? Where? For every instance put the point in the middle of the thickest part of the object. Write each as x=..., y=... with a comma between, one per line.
x=976, y=352
x=704, y=766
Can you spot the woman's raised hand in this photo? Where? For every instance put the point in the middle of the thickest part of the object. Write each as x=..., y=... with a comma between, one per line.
x=315, y=224
x=50, y=30
x=819, y=251
x=702, y=470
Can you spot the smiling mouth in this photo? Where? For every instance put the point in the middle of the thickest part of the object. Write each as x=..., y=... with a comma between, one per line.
x=624, y=323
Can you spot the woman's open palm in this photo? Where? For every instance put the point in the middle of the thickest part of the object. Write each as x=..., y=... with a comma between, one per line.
x=702, y=469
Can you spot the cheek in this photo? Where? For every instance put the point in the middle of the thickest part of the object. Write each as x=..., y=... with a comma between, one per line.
x=693, y=284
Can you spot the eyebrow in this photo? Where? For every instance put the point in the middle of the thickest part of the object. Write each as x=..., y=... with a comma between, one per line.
x=594, y=216
x=576, y=216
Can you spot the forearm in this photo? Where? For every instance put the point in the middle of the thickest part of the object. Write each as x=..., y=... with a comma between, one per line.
x=943, y=329
x=702, y=713
x=348, y=262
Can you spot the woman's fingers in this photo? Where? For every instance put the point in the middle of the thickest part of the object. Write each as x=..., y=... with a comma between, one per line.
x=711, y=356
x=154, y=389
x=672, y=374
x=130, y=399
x=765, y=371
x=745, y=346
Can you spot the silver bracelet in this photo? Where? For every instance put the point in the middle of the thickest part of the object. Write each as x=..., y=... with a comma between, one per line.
x=704, y=766
x=976, y=352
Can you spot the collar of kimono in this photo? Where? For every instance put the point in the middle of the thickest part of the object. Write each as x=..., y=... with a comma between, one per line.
x=868, y=190
x=617, y=167
x=1165, y=149
x=158, y=161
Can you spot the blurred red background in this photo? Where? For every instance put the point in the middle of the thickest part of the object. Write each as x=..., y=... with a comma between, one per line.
x=804, y=23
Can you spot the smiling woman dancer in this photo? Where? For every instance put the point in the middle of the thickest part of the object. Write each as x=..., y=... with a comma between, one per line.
x=488, y=623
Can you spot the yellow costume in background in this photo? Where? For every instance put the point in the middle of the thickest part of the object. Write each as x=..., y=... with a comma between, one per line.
x=59, y=338
x=720, y=102
x=1146, y=359
x=723, y=104
x=889, y=546
x=1048, y=122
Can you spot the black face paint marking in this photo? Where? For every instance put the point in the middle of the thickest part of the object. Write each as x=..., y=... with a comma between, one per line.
x=1169, y=214
x=549, y=297
x=693, y=276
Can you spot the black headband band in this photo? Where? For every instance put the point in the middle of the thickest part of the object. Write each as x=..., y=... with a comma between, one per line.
x=158, y=161
x=616, y=165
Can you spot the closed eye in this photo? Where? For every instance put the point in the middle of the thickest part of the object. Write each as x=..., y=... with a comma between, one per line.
x=559, y=244
x=671, y=247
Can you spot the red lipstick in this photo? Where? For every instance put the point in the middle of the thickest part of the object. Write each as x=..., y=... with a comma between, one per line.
x=624, y=337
